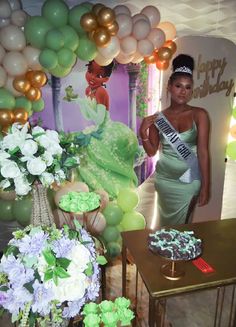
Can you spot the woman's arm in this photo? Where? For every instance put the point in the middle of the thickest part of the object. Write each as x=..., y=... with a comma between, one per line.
x=149, y=135
x=203, y=126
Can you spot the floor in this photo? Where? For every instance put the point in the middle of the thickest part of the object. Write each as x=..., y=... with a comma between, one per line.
x=195, y=310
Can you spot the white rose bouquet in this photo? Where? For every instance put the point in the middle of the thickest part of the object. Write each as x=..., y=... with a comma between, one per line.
x=48, y=274
x=34, y=154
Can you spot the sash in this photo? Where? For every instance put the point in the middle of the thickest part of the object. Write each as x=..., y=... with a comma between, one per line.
x=180, y=147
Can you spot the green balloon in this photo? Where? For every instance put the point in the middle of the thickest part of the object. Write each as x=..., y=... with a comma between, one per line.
x=38, y=106
x=48, y=59
x=21, y=210
x=127, y=199
x=56, y=12
x=23, y=102
x=113, y=214
x=6, y=210
x=86, y=50
x=54, y=39
x=234, y=112
x=75, y=15
x=71, y=39
x=231, y=150
x=110, y=234
x=87, y=4
x=66, y=58
x=133, y=220
x=7, y=100
x=113, y=249
x=35, y=31
x=60, y=71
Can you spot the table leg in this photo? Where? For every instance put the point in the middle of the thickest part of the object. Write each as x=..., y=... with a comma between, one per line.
x=219, y=305
x=151, y=313
x=232, y=315
x=124, y=269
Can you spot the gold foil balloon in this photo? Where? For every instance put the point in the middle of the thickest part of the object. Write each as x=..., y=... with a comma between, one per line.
x=33, y=94
x=89, y=22
x=5, y=129
x=97, y=7
x=21, y=84
x=151, y=59
x=101, y=37
x=113, y=28
x=90, y=35
x=37, y=78
x=6, y=117
x=106, y=16
x=164, y=53
x=162, y=64
x=20, y=115
x=171, y=45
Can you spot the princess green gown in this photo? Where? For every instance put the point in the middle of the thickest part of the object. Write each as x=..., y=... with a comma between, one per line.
x=174, y=196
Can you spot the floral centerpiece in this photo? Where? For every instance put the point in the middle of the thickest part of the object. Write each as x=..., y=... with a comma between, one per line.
x=34, y=154
x=47, y=274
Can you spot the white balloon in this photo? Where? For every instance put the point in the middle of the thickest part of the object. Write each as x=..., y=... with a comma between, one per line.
x=137, y=58
x=145, y=47
x=141, y=29
x=12, y=38
x=5, y=9
x=9, y=86
x=4, y=22
x=2, y=53
x=128, y=45
x=19, y=17
x=157, y=37
x=112, y=49
x=153, y=15
x=169, y=30
x=32, y=57
x=102, y=61
x=15, y=63
x=121, y=9
x=122, y=58
x=15, y=4
x=137, y=17
x=125, y=25
x=3, y=76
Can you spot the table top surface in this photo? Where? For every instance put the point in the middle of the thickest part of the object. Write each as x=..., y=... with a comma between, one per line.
x=219, y=250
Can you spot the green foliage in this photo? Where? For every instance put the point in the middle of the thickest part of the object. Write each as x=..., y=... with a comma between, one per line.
x=142, y=91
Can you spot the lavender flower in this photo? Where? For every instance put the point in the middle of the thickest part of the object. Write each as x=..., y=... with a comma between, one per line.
x=41, y=298
x=63, y=246
x=32, y=245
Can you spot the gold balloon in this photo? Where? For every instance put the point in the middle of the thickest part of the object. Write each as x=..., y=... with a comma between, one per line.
x=106, y=16
x=89, y=22
x=171, y=45
x=162, y=64
x=90, y=35
x=113, y=28
x=151, y=59
x=33, y=94
x=20, y=115
x=164, y=53
x=5, y=129
x=21, y=84
x=96, y=8
x=37, y=78
x=6, y=117
x=101, y=37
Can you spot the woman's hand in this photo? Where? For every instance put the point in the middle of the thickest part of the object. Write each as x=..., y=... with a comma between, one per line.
x=145, y=125
x=203, y=197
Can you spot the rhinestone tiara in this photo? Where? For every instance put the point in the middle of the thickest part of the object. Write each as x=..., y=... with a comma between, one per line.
x=183, y=69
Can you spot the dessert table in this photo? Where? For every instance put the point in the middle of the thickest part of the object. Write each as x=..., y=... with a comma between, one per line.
x=219, y=250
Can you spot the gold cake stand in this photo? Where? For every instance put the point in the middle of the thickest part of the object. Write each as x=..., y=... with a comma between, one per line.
x=172, y=270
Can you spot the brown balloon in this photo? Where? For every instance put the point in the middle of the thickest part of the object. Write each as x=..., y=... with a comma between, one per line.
x=101, y=37
x=89, y=22
x=90, y=35
x=164, y=53
x=151, y=59
x=106, y=16
x=162, y=64
x=6, y=117
x=21, y=84
x=97, y=7
x=5, y=129
x=113, y=28
x=20, y=115
x=33, y=94
x=171, y=45
x=37, y=78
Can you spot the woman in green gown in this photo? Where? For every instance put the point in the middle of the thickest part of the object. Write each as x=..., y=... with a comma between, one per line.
x=177, y=197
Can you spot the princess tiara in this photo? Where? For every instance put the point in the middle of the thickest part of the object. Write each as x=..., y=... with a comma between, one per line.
x=183, y=69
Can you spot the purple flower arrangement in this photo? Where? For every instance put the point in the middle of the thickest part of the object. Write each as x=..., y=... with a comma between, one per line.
x=48, y=274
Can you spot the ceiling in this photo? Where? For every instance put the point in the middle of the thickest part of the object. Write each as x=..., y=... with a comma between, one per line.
x=190, y=17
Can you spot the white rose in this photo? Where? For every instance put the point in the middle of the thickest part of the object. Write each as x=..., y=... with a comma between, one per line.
x=60, y=176
x=4, y=155
x=37, y=130
x=36, y=166
x=10, y=142
x=80, y=257
x=48, y=158
x=22, y=187
x=10, y=169
x=53, y=135
x=46, y=179
x=4, y=184
x=29, y=148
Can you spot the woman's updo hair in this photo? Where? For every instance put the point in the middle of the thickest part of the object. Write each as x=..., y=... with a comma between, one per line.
x=182, y=65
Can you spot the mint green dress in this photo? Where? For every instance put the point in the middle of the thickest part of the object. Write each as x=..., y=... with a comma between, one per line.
x=174, y=196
